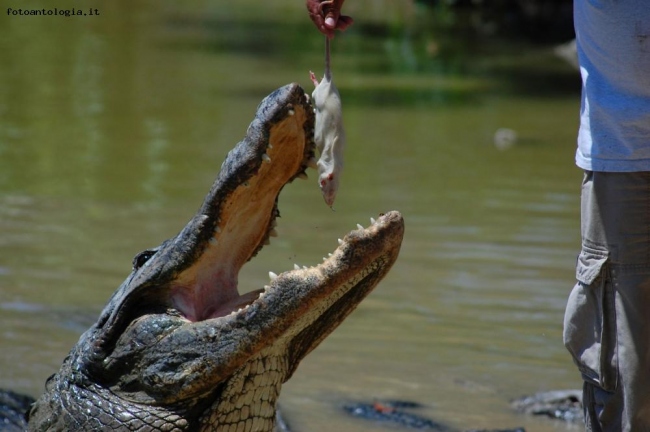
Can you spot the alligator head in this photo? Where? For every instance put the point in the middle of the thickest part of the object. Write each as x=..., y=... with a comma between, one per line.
x=177, y=347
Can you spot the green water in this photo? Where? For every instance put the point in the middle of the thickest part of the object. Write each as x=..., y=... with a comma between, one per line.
x=113, y=127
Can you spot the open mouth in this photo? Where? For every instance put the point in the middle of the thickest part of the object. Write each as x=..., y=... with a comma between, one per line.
x=179, y=315
x=243, y=209
x=360, y=253
x=196, y=272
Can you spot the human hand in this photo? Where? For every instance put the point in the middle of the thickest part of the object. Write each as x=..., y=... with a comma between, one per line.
x=326, y=15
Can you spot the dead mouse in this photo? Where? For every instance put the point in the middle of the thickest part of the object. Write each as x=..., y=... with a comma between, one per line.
x=329, y=134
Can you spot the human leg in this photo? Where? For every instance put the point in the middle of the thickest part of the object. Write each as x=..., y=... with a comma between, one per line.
x=607, y=320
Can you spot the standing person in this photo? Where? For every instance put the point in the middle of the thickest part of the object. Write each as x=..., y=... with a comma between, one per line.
x=607, y=319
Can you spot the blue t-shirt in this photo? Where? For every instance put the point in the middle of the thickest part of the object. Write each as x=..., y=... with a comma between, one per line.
x=613, y=39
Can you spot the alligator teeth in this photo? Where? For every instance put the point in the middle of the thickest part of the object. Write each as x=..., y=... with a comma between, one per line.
x=303, y=176
x=217, y=230
x=291, y=112
x=273, y=233
x=311, y=163
x=266, y=158
x=270, y=146
x=213, y=241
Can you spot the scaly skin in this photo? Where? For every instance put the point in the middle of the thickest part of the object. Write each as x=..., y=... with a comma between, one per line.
x=177, y=348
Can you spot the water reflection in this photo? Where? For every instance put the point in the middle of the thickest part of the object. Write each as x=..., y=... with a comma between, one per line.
x=112, y=130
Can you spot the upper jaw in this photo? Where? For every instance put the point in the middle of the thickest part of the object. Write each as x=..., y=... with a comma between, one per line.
x=243, y=203
x=196, y=271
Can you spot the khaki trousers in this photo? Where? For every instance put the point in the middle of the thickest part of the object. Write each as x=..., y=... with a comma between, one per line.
x=607, y=319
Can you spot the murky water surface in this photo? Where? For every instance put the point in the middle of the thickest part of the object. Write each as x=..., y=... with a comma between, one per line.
x=113, y=127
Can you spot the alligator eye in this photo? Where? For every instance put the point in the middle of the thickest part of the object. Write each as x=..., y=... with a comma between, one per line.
x=141, y=258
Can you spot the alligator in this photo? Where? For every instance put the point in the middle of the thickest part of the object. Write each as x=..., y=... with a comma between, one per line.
x=177, y=348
